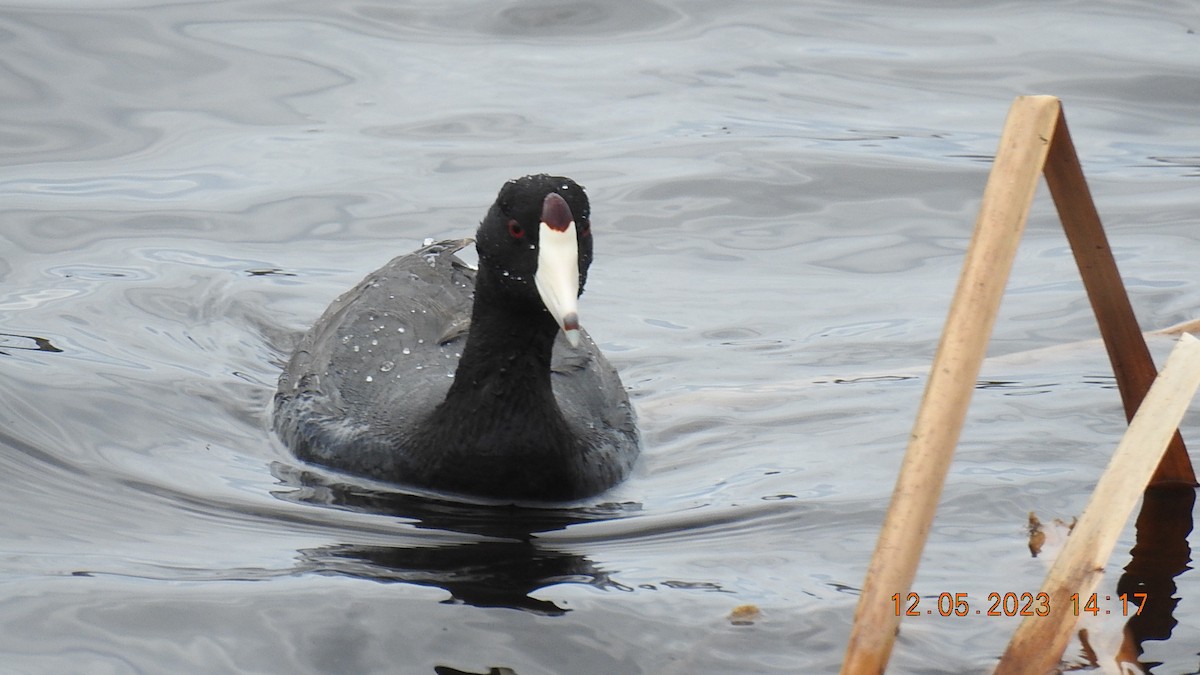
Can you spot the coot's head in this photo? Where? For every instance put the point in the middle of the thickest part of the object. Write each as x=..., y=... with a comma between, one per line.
x=537, y=240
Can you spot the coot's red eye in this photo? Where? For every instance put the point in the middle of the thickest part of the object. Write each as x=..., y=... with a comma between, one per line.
x=585, y=227
x=515, y=229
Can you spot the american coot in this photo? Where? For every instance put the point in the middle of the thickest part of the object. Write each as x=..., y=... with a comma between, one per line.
x=432, y=374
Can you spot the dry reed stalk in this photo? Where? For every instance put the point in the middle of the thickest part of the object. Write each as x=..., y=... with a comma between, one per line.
x=1007, y=197
x=1131, y=361
x=1038, y=644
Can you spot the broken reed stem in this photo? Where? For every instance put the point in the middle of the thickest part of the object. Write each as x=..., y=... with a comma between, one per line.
x=1038, y=644
x=1002, y=215
x=1127, y=351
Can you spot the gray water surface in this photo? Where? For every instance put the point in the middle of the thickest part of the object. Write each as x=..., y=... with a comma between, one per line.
x=782, y=194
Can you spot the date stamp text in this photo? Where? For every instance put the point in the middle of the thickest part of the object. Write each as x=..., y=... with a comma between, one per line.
x=1015, y=604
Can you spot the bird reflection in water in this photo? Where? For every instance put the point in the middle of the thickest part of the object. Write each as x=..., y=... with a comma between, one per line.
x=500, y=566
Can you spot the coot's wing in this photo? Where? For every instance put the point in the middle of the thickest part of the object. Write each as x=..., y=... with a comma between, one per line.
x=594, y=402
x=405, y=322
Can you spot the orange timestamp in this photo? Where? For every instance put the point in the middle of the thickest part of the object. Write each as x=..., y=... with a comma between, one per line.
x=1015, y=604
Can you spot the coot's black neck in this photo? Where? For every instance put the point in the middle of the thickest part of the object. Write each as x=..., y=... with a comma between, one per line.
x=500, y=421
x=508, y=347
